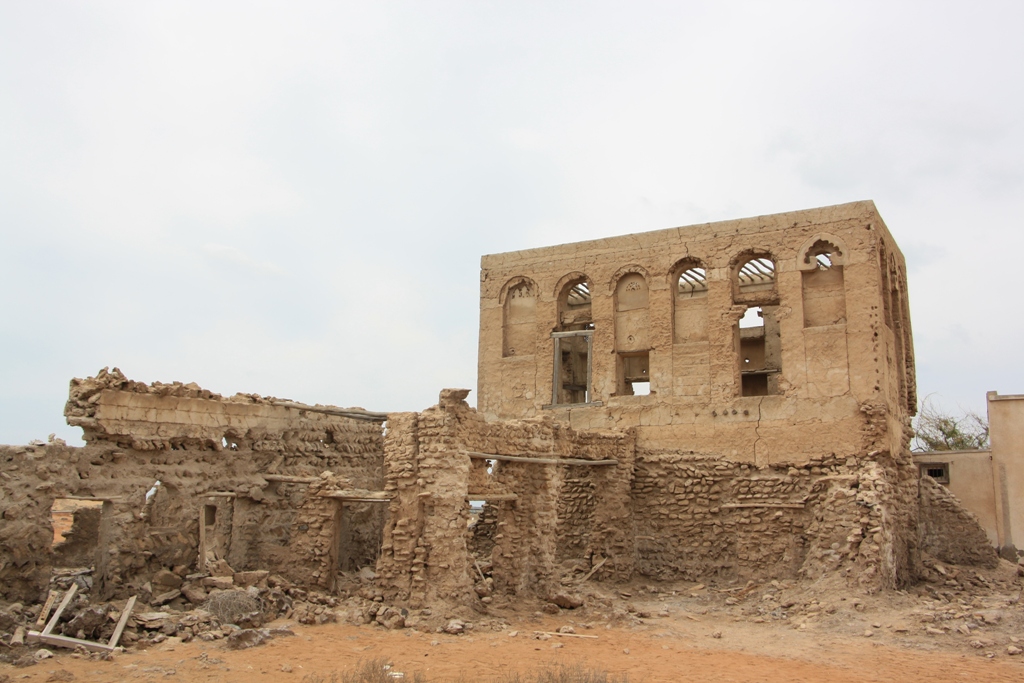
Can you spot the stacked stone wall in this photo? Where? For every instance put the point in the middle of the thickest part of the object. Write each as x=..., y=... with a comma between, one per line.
x=144, y=534
x=949, y=532
x=431, y=476
x=704, y=516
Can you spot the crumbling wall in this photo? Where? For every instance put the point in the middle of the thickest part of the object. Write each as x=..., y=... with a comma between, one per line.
x=704, y=516
x=431, y=477
x=949, y=532
x=80, y=542
x=195, y=444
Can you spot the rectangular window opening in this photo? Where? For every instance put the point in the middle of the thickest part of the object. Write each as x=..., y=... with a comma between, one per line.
x=572, y=367
x=634, y=374
x=759, y=352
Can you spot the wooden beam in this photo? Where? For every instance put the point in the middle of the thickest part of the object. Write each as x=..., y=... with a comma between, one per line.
x=538, y=460
x=65, y=641
x=47, y=606
x=792, y=506
x=594, y=569
x=565, y=635
x=63, y=604
x=121, y=622
x=218, y=494
x=357, y=494
x=351, y=413
x=497, y=497
x=201, y=560
x=289, y=479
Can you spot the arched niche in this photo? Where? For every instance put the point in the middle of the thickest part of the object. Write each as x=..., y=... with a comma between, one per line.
x=519, y=317
x=689, y=301
x=823, y=287
x=632, y=332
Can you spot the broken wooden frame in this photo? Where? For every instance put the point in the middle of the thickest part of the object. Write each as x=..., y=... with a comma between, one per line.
x=46, y=635
x=548, y=460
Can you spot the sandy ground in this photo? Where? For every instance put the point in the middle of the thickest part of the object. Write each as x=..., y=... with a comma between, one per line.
x=662, y=633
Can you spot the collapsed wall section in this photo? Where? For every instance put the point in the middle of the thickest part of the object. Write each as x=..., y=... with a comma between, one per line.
x=177, y=468
x=949, y=532
x=542, y=512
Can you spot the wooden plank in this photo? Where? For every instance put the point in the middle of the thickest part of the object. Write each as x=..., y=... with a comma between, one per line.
x=352, y=413
x=538, y=460
x=357, y=494
x=492, y=496
x=791, y=506
x=218, y=494
x=564, y=635
x=289, y=479
x=47, y=606
x=594, y=569
x=129, y=606
x=65, y=641
x=201, y=560
x=63, y=604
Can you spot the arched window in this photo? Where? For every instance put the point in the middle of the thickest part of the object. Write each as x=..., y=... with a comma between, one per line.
x=824, y=292
x=692, y=283
x=572, y=341
x=519, y=328
x=574, y=310
x=689, y=302
x=756, y=275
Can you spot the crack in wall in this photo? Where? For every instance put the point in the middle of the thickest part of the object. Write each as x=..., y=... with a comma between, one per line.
x=757, y=431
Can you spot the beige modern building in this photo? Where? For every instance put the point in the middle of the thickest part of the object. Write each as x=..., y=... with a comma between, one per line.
x=989, y=483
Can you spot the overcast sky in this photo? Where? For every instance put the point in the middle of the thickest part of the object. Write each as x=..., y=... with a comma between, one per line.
x=292, y=198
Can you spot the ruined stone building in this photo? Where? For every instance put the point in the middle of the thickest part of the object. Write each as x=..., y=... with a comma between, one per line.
x=728, y=400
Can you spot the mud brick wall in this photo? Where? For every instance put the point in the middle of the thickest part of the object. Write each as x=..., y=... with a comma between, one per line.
x=481, y=543
x=194, y=443
x=576, y=502
x=425, y=555
x=701, y=516
x=314, y=545
x=949, y=532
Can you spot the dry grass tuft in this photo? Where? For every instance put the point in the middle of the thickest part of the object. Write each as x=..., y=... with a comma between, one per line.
x=231, y=606
x=380, y=671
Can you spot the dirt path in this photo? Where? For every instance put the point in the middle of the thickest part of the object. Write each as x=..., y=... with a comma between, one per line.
x=669, y=649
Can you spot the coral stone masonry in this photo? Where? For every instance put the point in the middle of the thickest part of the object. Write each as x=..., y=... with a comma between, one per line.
x=721, y=401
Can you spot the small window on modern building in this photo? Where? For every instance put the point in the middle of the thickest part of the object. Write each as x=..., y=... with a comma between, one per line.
x=939, y=471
